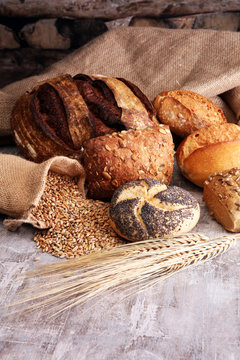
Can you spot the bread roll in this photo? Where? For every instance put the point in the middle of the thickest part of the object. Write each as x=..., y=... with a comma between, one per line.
x=148, y=209
x=114, y=159
x=186, y=111
x=221, y=193
x=60, y=114
x=209, y=150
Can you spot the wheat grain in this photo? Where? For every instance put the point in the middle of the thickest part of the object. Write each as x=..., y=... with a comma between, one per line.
x=76, y=226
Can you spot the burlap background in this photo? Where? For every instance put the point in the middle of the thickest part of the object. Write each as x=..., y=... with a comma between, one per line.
x=22, y=183
x=204, y=61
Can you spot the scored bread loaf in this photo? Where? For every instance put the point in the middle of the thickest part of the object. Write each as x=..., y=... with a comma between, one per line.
x=60, y=114
x=147, y=209
x=221, y=193
x=209, y=150
x=186, y=111
x=114, y=159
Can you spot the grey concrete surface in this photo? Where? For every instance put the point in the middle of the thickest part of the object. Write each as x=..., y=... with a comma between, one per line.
x=192, y=315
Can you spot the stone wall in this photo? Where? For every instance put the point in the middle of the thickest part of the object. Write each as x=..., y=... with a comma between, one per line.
x=33, y=37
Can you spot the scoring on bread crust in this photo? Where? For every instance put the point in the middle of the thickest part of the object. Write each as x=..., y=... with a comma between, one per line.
x=147, y=209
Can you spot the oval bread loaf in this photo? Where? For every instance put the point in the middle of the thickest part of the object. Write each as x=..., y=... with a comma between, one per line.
x=186, y=111
x=221, y=193
x=209, y=150
x=112, y=160
x=148, y=209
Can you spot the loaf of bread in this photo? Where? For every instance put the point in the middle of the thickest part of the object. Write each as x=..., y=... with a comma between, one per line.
x=221, y=193
x=186, y=111
x=114, y=159
x=209, y=150
x=60, y=114
x=148, y=209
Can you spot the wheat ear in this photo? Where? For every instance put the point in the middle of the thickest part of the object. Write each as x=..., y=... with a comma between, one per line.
x=131, y=267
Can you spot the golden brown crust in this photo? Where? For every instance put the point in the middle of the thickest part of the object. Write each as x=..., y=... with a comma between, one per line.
x=186, y=111
x=112, y=160
x=221, y=193
x=148, y=209
x=209, y=150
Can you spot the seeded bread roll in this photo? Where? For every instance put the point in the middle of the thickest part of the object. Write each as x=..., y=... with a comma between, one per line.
x=221, y=193
x=209, y=150
x=114, y=159
x=148, y=209
x=186, y=111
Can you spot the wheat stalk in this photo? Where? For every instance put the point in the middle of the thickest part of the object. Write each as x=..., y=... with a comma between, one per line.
x=131, y=267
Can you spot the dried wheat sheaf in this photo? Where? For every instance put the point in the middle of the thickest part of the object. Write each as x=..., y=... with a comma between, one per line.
x=129, y=268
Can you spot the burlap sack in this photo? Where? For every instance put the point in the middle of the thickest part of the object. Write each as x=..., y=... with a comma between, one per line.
x=205, y=61
x=22, y=183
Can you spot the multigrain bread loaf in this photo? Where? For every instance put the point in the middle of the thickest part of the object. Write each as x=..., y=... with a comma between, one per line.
x=221, y=193
x=209, y=150
x=147, y=209
x=60, y=114
x=114, y=159
x=186, y=111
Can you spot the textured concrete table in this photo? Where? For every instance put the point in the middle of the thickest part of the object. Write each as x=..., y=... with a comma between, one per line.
x=194, y=315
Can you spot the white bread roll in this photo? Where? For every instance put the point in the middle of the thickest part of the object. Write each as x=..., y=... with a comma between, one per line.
x=209, y=150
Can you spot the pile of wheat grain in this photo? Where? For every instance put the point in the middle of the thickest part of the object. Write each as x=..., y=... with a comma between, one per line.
x=76, y=226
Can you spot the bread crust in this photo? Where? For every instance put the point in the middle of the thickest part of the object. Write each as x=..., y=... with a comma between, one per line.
x=60, y=114
x=38, y=134
x=114, y=159
x=221, y=193
x=148, y=209
x=209, y=150
x=186, y=111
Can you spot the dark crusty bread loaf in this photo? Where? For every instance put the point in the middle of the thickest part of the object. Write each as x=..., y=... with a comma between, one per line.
x=221, y=193
x=51, y=120
x=186, y=111
x=112, y=160
x=114, y=104
x=60, y=114
x=147, y=209
x=209, y=150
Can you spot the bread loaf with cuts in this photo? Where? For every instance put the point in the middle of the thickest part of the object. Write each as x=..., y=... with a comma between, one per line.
x=148, y=209
x=186, y=111
x=58, y=115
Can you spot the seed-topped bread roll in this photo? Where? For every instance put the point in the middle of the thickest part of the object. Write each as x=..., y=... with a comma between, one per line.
x=221, y=194
x=186, y=111
x=114, y=159
x=209, y=150
x=147, y=209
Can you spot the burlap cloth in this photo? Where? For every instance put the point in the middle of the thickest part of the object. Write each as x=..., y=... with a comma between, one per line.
x=22, y=183
x=204, y=61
